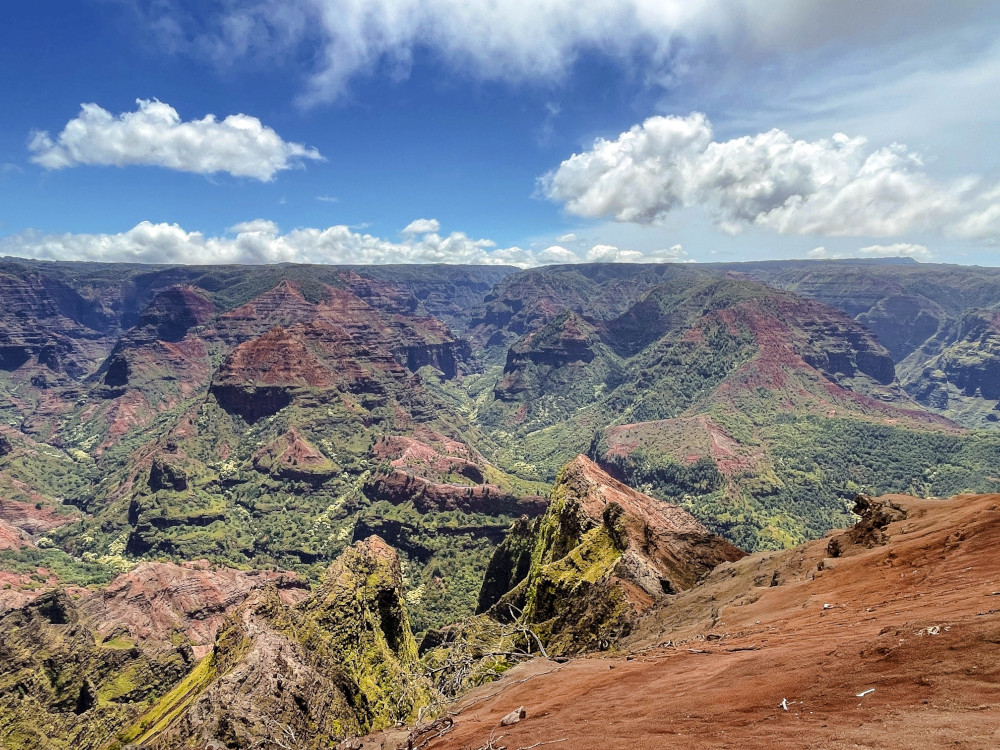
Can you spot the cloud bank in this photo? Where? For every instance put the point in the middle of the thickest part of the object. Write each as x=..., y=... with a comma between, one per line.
x=837, y=186
x=155, y=135
x=261, y=241
x=526, y=40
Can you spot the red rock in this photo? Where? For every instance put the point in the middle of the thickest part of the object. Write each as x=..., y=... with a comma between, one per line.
x=399, y=487
x=677, y=546
x=292, y=456
x=31, y=519
x=12, y=537
x=153, y=600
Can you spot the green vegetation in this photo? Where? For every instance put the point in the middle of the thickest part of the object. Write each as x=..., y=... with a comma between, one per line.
x=171, y=705
x=813, y=468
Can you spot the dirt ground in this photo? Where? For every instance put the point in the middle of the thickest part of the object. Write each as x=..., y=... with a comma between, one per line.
x=892, y=647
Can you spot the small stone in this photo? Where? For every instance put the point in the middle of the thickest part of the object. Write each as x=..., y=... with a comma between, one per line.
x=513, y=717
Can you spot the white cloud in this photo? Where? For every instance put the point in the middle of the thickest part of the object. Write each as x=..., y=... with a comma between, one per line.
x=261, y=241
x=818, y=252
x=155, y=135
x=255, y=226
x=422, y=226
x=520, y=40
x=836, y=186
x=983, y=221
x=612, y=254
x=897, y=250
x=569, y=237
x=557, y=254
x=327, y=199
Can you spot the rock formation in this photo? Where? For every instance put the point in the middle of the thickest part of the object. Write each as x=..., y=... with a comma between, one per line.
x=339, y=663
x=602, y=553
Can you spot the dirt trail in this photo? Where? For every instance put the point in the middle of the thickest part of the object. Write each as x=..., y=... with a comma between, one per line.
x=915, y=623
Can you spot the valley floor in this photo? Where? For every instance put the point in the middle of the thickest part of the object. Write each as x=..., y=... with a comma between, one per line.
x=895, y=646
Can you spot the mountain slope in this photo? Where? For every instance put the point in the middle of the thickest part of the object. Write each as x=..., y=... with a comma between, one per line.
x=889, y=645
x=743, y=403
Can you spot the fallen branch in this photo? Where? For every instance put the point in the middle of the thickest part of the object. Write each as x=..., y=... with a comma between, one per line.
x=539, y=744
x=431, y=732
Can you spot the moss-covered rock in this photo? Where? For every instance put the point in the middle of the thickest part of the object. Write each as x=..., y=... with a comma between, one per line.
x=62, y=687
x=600, y=555
x=341, y=663
x=510, y=563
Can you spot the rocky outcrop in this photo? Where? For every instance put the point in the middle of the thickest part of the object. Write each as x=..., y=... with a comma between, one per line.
x=870, y=531
x=338, y=664
x=291, y=456
x=567, y=341
x=602, y=554
x=154, y=601
x=398, y=487
x=164, y=475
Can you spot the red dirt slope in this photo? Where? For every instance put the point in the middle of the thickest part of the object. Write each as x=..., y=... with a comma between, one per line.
x=915, y=622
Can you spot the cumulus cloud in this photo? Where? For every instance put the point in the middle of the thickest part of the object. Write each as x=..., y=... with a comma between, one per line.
x=155, y=135
x=557, y=254
x=422, y=226
x=837, y=186
x=261, y=241
x=612, y=254
x=519, y=40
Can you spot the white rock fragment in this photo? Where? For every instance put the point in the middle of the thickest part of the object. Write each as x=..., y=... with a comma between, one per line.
x=513, y=717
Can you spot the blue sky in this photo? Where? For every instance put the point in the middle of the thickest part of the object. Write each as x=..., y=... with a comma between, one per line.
x=439, y=130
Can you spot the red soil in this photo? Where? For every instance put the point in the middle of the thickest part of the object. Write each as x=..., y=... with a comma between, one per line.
x=918, y=621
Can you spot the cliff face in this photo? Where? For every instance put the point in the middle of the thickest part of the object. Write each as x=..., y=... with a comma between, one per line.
x=77, y=666
x=340, y=343
x=48, y=331
x=602, y=554
x=155, y=601
x=158, y=354
x=958, y=370
x=169, y=655
x=904, y=322
x=337, y=664
x=550, y=357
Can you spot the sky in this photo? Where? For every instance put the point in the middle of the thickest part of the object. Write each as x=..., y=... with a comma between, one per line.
x=521, y=132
